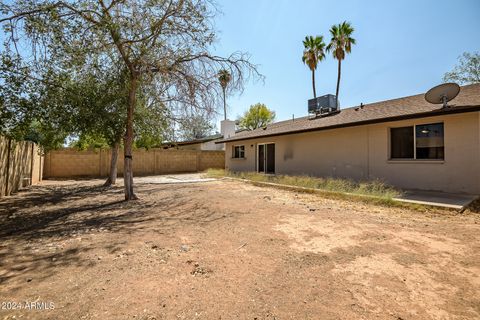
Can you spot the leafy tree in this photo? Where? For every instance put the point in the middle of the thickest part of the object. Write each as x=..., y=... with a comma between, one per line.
x=45, y=134
x=166, y=43
x=340, y=44
x=92, y=92
x=152, y=126
x=96, y=100
x=224, y=77
x=15, y=108
x=150, y=131
x=257, y=116
x=313, y=53
x=96, y=108
x=195, y=127
x=467, y=71
x=22, y=111
x=99, y=109
x=88, y=142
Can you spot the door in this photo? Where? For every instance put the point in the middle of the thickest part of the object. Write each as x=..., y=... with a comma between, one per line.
x=270, y=167
x=261, y=158
x=266, y=158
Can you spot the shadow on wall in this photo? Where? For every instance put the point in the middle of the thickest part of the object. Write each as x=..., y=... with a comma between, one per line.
x=288, y=154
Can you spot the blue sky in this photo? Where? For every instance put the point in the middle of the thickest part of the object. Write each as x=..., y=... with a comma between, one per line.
x=403, y=48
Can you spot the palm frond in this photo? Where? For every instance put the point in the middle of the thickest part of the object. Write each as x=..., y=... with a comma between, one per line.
x=341, y=41
x=314, y=51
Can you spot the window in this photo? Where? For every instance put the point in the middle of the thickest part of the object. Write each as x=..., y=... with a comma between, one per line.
x=238, y=152
x=423, y=142
x=401, y=143
x=429, y=141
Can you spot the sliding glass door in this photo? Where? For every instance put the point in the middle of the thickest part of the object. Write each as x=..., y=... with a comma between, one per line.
x=266, y=158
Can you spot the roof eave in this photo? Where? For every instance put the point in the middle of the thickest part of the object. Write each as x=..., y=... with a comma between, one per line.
x=460, y=109
x=184, y=143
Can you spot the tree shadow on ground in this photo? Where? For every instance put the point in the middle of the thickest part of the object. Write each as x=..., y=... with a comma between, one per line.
x=32, y=221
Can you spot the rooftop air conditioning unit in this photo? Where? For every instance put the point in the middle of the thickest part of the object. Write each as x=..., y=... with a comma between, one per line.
x=323, y=105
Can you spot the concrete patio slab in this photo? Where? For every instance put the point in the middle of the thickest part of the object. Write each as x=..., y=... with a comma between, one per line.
x=174, y=178
x=438, y=199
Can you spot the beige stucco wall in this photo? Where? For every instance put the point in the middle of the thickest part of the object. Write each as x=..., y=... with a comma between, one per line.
x=211, y=145
x=362, y=153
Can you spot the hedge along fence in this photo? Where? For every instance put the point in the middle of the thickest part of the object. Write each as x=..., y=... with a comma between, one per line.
x=71, y=163
x=20, y=165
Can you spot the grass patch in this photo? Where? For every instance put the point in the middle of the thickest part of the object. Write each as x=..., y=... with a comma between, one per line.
x=216, y=173
x=373, y=188
x=373, y=192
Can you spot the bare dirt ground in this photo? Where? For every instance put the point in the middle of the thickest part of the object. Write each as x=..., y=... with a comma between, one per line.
x=229, y=250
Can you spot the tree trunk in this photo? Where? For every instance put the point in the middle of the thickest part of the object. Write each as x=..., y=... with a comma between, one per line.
x=112, y=176
x=338, y=80
x=128, y=140
x=224, y=104
x=313, y=84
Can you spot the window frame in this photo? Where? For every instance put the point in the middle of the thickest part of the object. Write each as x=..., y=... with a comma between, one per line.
x=414, y=159
x=241, y=152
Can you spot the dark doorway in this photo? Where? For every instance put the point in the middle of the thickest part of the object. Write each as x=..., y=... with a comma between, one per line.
x=261, y=158
x=266, y=158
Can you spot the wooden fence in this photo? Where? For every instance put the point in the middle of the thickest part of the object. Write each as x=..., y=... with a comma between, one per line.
x=20, y=165
x=70, y=163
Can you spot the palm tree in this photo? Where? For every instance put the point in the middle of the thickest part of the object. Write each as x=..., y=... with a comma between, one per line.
x=340, y=44
x=313, y=53
x=224, y=77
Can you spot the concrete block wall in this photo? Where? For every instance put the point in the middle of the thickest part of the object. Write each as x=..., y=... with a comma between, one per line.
x=70, y=163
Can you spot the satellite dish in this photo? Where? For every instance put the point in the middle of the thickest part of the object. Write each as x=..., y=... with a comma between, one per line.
x=442, y=93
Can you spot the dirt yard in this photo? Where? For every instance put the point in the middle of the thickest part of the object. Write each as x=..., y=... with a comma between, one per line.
x=229, y=250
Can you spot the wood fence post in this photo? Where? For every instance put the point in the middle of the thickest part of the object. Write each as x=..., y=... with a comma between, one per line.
x=40, y=165
x=100, y=163
x=31, y=164
x=198, y=161
x=154, y=161
x=8, y=165
x=50, y=163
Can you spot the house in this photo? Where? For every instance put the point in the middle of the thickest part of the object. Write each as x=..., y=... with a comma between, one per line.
x=227, y=129
x=206, y=143
x=406, y=142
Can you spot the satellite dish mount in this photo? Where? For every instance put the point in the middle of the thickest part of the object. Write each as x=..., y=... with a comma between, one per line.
x=442, y=94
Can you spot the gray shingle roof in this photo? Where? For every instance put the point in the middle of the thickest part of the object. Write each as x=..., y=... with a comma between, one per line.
x=403, y=108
